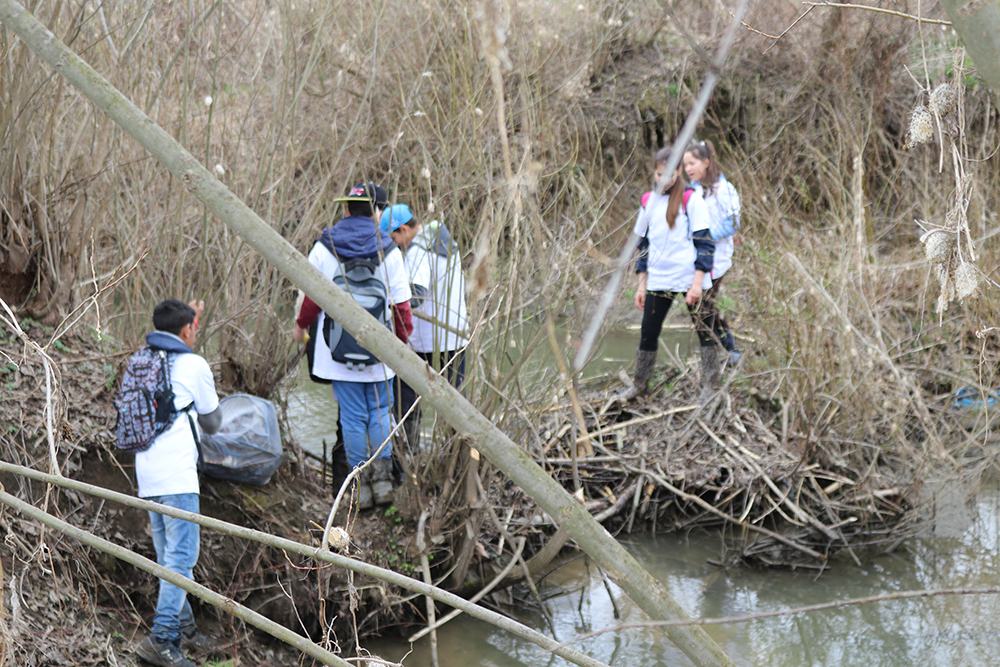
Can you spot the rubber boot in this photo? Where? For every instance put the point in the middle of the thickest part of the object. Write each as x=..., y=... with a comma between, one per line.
x=411, y=431
x=382, y=480
x=362, y=483
x=729, y=342
x=711, y=372
x=645, y=362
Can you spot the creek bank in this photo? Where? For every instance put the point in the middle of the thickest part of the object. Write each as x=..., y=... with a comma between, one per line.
x=88, y=608
x=664, y=464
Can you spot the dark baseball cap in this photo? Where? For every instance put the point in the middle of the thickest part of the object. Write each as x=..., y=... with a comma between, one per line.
x=370, y=192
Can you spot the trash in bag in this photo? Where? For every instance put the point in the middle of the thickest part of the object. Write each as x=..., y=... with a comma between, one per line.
x=247, y=448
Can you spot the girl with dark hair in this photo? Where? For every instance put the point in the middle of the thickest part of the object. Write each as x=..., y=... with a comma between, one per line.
x=675, y=258
x=724, y=211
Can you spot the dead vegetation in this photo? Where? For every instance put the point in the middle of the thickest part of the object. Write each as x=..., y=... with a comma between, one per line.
x=89, y=608
x=819, y=445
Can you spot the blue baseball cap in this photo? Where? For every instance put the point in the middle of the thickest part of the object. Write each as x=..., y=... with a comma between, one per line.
x=395, y=217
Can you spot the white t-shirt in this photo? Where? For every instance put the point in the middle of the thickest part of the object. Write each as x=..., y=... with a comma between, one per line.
x=170, y=465
x=444, y=301
x=723, y=210
x=671, y=252
x=397, y=281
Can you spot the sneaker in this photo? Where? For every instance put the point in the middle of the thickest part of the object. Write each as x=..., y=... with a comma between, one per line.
x=194, y=639
x=162, y=654
x=734, y=357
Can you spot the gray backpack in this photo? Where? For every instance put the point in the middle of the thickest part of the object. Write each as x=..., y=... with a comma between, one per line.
x=361, y=279
x=145, y=404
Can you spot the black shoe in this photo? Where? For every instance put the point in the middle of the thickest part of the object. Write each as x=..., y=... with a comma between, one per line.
x=162, y=654
x=194, y=639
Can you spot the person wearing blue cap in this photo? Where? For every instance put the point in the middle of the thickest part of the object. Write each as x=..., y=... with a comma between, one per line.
x=437, y=286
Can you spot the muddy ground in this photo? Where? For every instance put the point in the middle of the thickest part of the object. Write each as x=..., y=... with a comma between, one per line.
x=70, y=604
x=662, y=463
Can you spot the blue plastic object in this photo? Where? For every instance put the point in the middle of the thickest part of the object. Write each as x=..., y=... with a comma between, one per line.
x=974, y=407
x=971, y=398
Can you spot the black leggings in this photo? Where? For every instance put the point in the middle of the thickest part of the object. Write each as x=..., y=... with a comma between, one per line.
x=712, y=294
x=704, y=315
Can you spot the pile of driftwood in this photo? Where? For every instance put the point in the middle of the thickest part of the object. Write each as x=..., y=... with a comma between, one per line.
x=667, y=464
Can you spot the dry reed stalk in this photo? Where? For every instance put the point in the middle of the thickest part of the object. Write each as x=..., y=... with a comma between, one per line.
x=311, y=94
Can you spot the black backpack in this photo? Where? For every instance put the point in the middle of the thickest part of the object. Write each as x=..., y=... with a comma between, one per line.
x=360, y=278
x=145, y=403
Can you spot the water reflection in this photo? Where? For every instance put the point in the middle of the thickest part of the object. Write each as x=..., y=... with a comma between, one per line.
x=312, y=413
x=952, y=630
x=948, y=630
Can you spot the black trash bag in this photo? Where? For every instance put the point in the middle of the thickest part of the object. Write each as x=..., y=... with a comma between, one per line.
x=247, y=448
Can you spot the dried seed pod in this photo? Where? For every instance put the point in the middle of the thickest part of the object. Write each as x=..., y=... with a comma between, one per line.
x=921, y=127
x=943, y=273
x=966, y=280
x=339, y=538
x=937, y=244
x=952, y=219
x=942, y=303
x=944, y=100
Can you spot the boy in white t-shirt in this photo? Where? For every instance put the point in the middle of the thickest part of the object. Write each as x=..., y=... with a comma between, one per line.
x=167, y=473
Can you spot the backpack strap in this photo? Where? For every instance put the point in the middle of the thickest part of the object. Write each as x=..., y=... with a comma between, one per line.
x=687, y=196
x=688, y=191
x=348, y=264
x=194, y=434
x=164, y=357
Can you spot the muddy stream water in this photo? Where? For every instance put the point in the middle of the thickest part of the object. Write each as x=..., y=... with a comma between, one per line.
x=961, y=551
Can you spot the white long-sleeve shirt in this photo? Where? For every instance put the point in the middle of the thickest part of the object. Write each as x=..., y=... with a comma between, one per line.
x=724, y=214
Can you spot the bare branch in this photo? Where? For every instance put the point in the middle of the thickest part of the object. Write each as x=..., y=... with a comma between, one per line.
x=322, y=555
x=878, y=10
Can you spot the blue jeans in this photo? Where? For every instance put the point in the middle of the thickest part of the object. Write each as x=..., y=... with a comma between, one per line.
x=364, y=416
x=177, y=545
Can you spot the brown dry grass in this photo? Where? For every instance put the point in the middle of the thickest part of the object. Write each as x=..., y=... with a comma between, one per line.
x=832, y=295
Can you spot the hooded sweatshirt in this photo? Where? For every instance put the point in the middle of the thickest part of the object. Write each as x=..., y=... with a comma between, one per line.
x=352, y=237
x=356, y=237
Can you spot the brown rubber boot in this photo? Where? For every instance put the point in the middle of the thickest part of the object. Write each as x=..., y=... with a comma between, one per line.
x=411, y=431
x=362, y=483
x=382, y=480
x=711, y=372
x=645, y=362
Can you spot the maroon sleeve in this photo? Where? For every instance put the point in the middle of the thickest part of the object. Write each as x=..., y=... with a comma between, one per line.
x=402, y=318
x=308, y=313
